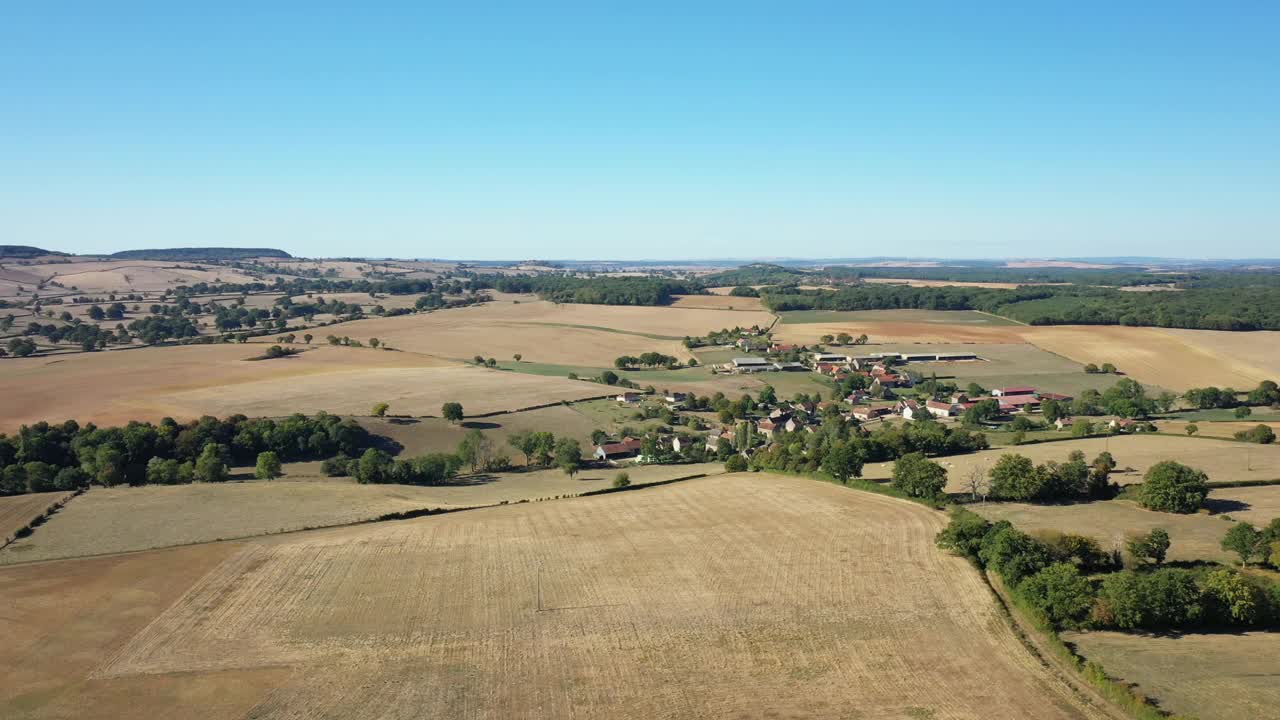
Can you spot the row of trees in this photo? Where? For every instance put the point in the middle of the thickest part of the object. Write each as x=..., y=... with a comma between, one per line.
x=1055, y=578
x=646, y=360
x=44, y=457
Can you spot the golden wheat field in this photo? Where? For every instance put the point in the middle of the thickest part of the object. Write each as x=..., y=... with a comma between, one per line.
x=1211, y=677
x=734, y=596
x=189, y=381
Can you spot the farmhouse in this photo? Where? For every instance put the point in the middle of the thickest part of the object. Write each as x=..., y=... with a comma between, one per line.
x=768, y=427
x=1054, y=396
x=869, y=413
x=628, y=397
x=714, y=438
x=938, y=408
x=611, y=452
x=909, y=409
x=1064, y=423
x=1012, y=391
x=778, y=347
x=676, y=397
x=1015, y=403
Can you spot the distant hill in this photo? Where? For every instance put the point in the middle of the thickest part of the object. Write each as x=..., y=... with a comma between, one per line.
x=25, y=251
x=757, y=274
x=206, y=253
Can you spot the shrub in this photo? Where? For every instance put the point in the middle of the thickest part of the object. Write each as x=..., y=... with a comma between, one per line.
x=964, y=534
x=337, y=466
x=736, y=463
x=621, y=480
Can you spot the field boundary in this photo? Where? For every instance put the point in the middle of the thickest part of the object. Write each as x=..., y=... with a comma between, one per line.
x=41, y=517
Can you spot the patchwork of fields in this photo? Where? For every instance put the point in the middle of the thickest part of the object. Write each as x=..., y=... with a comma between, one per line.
x=734, y=596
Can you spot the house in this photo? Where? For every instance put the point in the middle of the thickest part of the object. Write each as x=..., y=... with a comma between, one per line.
x=713, y=440
x=612, y=452
x=937, y=408
x=1016, y=403
x=750, y=344
x=779, y=415
x=1128, y=425
x=1064, y=423
x=856, y=397
x=676, y=397
x=793, y=425
x=908, y=409
x=825, y=368
x=628, y=397
x=1012, y=391
x=1055, y=397
x=869, y=413
x=768, y=427
x=778, y=347
x=959, y=399
x=751, y=364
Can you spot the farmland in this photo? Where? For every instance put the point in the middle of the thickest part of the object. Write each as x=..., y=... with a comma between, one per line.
x=124, y=519
x=18, y=510
x=718, y=302
x=728, y=596
x=1222, y=460
x=189, y=381
x=1207, y=676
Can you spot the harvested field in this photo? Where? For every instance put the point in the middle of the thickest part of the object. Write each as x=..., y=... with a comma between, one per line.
x=718, y=302
x=1257, y=350
x=1222, y=460
x=1211, y=677
x=186, y=382
x=135, y=275
x=124, y=519
x=736, y=596
x=1176, y=360
x=909, y=282
x=1215, y=428
x=1192, y=537
x=18, y=510
x=590, y=335
x=62, y=620
x=928, y=317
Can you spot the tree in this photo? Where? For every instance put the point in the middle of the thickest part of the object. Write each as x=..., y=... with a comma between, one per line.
x=374, y=466
x=1261, y=434
x=844, y=461
x=452, y=412
x=982, y=411
x=1243, y=412
x=1192, y=429
x=268, y=467
x=1060, y=592
x=517, y=357
x=308, y=338
x=609, y=377
x=827, y=339
x=476, y=450
x=96, y=312
x=964, y=534
x=735, y=463
x=1014, y=477
x=1151, y=547
x=568, y=455
x=1091, y=369
x=621, y=480
x=1244, y=540
x=1173, y=487
x=374, y=343
x=211, y=466
x=918, y=476
x=379, y=410
x=1232, y=598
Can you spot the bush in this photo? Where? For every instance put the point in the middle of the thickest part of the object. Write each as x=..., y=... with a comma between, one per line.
x=964, y=534
x=621, y=480
x=735, y=463
x=268, y=466
x=337, y=466
x=1013, y=554
x=1260, y=434
x=1173, y=487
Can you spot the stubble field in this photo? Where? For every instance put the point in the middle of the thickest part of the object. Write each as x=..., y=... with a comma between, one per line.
x=189, y=381
x=125, y=519
x=18, y=510
x=735, y=596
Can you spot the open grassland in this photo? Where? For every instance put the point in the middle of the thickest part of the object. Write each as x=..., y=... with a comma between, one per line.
x=736, y=596
x=1007, y=364
x=1206, y=676
x=1257, y=505
x=123, y=519
x=1192, y=537
x=718, y=302
x=1222, y=460
x=424, y=435
x=186, y=382
x=911, y=282
x=1215, y=428
x=18, y=510
x=123, y=276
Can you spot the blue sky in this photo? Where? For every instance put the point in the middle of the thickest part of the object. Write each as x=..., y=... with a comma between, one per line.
x=644, y=130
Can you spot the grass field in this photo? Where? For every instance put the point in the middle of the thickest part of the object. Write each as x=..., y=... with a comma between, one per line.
x=18, y=510
x=1217, y=429
x=424, y=435
x=735, y=596
x=718, y=302
x=1008, y=364
x=1222, y=460
x=1192, y=537
x=1206, y=676
x=1257, y=505
x=108, y=520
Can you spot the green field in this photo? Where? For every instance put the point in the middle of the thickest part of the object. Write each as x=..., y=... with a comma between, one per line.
x=1009, y=364
x=942, y=317
x=1221, y=415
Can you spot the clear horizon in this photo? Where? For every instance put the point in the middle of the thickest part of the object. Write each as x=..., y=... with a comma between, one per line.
x=662, y=133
